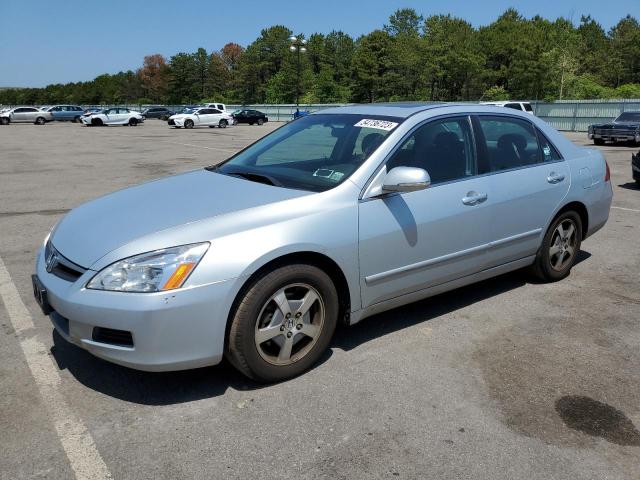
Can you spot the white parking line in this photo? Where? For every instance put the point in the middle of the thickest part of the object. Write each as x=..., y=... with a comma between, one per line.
x=76, y=440
x=627, y=209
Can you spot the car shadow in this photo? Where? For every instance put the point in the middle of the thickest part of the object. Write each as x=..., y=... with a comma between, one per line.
x=630, y=186
x=168, y=388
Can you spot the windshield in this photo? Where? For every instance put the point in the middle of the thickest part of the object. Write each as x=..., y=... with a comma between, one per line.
x=629, y=117
x=316, y=152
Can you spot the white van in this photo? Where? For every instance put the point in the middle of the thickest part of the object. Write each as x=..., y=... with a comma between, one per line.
x=220, y=106
x=514, y=104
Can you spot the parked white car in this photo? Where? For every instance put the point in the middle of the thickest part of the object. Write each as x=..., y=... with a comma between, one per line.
x=113, y=116
x=201, y=117
x=513, y=104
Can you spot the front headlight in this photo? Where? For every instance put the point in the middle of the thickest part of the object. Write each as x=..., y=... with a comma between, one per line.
x=157, y=271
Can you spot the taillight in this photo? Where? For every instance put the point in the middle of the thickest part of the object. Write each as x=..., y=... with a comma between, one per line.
x=607, y=175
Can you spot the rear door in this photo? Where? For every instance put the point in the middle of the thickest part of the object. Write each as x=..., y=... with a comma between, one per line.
x=527, y=180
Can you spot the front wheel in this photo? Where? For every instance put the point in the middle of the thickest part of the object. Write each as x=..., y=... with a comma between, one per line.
x=188, y=124
x=283, y=323
x=4, y=121
x=40, y=121
x=598, y=141
x=133, y=122
x=560, y=248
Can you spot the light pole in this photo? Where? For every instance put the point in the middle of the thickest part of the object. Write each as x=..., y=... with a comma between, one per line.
x=297, y=46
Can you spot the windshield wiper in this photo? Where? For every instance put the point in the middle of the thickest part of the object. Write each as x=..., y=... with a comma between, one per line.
x=256, y=177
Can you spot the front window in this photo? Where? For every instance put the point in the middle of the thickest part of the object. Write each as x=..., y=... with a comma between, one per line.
x=315, y=153
x=629, y=117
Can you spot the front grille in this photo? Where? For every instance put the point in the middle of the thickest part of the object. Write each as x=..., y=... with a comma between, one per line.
x=121, y=338
x=60, y=266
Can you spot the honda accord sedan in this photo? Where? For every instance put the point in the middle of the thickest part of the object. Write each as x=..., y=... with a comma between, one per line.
x=331, y=218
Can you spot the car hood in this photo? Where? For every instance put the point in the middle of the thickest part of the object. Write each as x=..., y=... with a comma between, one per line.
x=92, y=230
x=617, y=125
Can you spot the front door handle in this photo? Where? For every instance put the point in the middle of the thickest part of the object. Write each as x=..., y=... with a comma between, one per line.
x=555, y=177
x=474, y=198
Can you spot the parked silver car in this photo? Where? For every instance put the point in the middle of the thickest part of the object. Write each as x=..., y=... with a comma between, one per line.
x=25, y=115
x=331, y=218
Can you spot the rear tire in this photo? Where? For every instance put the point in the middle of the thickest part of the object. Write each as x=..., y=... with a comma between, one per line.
x=250, y=123
x=40, y=121
x=260, y=121
x=223, y=124
x=188, y=124
x=283, y=323
x=560, y=248
x=598, y=141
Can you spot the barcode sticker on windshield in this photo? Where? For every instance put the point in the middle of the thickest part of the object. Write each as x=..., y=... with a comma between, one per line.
x=379, y=124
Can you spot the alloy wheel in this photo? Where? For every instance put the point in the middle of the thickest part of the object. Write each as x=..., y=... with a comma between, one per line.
x=563, y=245
x=289, y=324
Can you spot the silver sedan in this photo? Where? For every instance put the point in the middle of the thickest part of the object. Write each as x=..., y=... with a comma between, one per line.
x=25, y=115
x=331, y=218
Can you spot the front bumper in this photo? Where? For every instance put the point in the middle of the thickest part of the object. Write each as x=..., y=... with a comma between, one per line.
x=174, y=330
x=613, y=136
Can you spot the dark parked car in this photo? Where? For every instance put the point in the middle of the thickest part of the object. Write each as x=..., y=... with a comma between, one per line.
x=66, y=113
x=162, y=113
x=250, y=117
x=625, y=128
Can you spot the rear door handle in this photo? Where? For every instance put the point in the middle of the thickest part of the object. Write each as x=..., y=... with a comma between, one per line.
x=474, y=198
x=555, y=177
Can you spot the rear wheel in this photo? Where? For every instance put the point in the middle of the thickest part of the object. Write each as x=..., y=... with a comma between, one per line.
x=250, y=123
x=223, y=124
x=560, y=247
x=598, y=141
x=40, y=121
x=283, y=323
x=188, y=124
x=260, y=121
x=133, y=122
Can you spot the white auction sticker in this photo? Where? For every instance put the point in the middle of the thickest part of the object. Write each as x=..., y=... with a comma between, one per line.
x=379, y=124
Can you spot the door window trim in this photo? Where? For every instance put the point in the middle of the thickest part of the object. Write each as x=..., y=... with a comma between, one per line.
x=399, y=144
x=475, y=119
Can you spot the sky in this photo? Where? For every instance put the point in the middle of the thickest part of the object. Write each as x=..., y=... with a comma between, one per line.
x=59, y=41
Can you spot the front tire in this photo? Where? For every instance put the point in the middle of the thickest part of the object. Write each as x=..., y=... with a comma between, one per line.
x=560, y=248
x=5, y=121
x=598, y=141
x=133, y=122
x=283, y=323
x=40, y=121
x=96, y=122
x=188, y=124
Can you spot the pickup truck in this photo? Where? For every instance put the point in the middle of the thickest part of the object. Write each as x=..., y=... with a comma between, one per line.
x=625, y=128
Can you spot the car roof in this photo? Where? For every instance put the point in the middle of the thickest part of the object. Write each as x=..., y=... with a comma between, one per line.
x=392, y=109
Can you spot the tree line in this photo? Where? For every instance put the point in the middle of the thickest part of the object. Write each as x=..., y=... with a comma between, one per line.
x=439, y=57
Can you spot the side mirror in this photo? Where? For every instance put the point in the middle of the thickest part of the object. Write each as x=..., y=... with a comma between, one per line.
x=406, y=179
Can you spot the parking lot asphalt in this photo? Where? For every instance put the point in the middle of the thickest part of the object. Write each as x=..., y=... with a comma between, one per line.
x=506, y=379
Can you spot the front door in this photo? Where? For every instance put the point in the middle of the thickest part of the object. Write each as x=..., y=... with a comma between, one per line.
x=412, y=241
